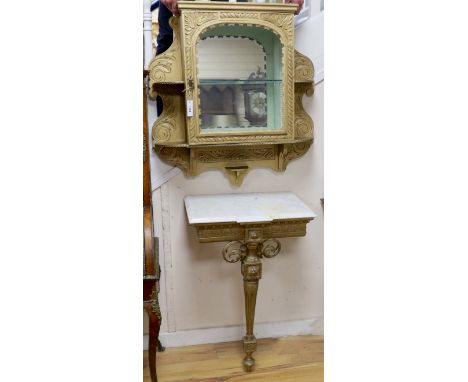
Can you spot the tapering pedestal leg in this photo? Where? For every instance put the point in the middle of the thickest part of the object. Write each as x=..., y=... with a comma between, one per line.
x=250, y=253
x=252, y=272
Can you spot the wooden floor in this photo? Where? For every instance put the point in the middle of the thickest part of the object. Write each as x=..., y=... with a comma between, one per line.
x=297, y=359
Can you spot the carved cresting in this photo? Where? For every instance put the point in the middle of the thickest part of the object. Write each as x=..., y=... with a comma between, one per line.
x=178, y=138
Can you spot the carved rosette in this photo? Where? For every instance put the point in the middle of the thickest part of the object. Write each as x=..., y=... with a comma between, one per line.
x=234, y=251
x=252, y=270
x=269, y=248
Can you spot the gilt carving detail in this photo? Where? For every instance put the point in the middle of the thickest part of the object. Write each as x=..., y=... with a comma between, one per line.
x=167, y=66
x=215, y=155
x=165, y=126
x=177, y=156
x=303, y=122
x=304, y=68
x=178, y=137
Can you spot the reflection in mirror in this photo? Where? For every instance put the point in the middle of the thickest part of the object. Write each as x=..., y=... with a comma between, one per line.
x=240, y=79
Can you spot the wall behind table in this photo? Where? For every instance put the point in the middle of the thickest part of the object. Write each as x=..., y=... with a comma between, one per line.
x=201, y=295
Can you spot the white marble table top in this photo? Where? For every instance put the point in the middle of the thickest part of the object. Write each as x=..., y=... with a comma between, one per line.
x=255, y=207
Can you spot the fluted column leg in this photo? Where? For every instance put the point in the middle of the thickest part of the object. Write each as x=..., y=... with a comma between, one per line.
x=252, y=272
x=250, y=252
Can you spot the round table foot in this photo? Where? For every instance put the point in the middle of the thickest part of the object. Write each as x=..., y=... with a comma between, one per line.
x=249, y=363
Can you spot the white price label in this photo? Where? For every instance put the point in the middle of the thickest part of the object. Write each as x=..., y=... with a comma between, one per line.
x=189, y=108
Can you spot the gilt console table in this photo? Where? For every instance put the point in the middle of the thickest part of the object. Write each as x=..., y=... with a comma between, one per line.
x=251, y=223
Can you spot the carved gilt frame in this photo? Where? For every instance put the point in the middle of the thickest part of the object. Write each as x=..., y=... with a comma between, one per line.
x=173, y=75
x=195, y=22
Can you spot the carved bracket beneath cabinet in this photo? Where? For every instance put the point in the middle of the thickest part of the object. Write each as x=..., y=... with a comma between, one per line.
x=235, y=161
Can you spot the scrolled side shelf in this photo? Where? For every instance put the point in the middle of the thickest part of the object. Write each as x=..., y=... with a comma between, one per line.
x=169, y=88
x=233, y=154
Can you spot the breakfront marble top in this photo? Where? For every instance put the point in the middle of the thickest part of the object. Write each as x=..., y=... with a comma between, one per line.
x=245, y=208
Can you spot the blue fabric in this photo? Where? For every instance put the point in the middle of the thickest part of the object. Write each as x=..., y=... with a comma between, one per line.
x=165, y=35
x=165, y=38
x=154, y=5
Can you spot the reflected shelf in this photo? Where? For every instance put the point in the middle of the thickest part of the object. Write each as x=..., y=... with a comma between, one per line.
x=237, y=82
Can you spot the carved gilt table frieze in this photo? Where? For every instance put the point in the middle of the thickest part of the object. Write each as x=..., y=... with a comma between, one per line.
x=251, y=224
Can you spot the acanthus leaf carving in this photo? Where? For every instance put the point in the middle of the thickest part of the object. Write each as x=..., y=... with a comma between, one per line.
x=304, y=124
x=177, y=156
x=165, y=125
x=186, y=146
x=216, y=155
x=293, y=150
x=282, y=20
x=167, y=66
x=304, y=68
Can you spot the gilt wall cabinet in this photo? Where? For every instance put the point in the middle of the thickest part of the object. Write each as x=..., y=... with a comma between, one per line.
x=232, y=86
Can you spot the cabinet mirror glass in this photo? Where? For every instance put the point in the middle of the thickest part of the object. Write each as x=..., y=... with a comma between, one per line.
x=240, y=80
